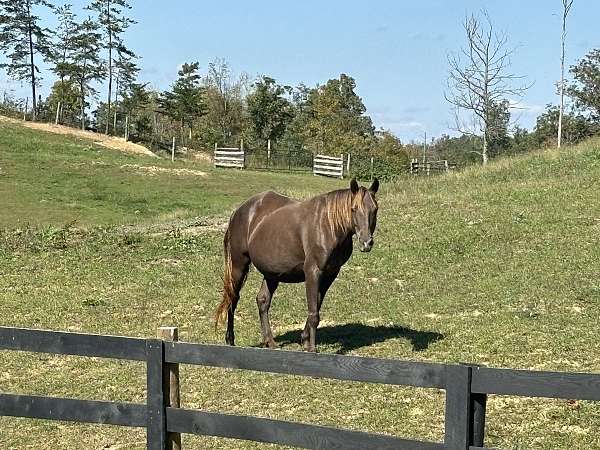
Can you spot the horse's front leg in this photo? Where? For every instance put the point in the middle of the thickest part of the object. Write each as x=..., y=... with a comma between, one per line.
x=313, y=277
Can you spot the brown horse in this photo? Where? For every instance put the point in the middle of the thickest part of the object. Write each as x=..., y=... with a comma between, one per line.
x=290, y=241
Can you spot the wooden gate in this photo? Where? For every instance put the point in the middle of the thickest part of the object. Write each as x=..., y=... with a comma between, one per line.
x=330, y=166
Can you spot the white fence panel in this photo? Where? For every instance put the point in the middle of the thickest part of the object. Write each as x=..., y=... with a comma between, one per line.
x=229, y=157
x=329, y=166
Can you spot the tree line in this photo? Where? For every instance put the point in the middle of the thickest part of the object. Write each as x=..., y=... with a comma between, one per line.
x=208, y=103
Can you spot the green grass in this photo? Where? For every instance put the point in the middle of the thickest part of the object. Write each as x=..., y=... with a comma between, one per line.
x=497, y=266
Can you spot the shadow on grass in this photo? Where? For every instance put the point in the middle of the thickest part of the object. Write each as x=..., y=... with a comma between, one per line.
x=352, y=336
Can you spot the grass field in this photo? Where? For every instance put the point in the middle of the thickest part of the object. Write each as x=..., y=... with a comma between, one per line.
x=497, y=266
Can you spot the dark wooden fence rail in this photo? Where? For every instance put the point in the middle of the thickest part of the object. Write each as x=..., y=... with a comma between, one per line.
x=466, y=389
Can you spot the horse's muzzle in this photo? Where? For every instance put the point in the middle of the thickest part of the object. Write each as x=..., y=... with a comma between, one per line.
x=367, y=246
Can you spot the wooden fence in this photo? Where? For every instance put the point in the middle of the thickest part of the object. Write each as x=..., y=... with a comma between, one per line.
x=230, y=156
x=330, y=166
x=418, y=167
x=466, y=389
x=288, y=160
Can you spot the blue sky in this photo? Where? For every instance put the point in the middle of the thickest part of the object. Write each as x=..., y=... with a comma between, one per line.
x=396, y=50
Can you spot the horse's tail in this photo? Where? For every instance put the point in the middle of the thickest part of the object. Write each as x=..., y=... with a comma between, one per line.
x=228, y=287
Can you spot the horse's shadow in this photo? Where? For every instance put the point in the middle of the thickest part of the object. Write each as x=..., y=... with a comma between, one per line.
x=352, y=336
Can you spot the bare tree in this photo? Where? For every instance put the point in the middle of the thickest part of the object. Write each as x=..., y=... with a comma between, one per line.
x=225, y=98
x=567, y=4
x=479, y=80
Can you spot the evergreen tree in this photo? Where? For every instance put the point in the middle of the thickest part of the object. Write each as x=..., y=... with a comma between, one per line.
x=126, y=72
x=87, y=64
x=22, y=38
x=61, y=59
x=135, y=102
x=63, y=43
x=112, y=17
x=185, y=101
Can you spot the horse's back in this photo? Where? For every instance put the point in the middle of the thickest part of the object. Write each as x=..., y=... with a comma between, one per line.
x=249, y=214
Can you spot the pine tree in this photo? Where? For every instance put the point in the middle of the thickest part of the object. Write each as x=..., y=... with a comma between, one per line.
x=135, y=100
x=87, y=64
x=63, y=42
x=125, y=74
x=185, y=101
x=61, y=57
x=112, y=18
x=21, y=39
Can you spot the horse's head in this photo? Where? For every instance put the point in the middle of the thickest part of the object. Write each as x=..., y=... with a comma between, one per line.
x=364, y=213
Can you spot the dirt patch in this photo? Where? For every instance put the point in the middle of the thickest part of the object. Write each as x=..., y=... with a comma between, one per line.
x=154, y=170
x=201, y=156
x=189, y=227
x=112, y=142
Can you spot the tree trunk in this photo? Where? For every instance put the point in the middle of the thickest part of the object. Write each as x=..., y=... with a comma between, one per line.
x=109, y=65
x=82, y=100
x=127, y=127
x=484, y=153
x=31, y=63
x=82, y=91
x=566, y=8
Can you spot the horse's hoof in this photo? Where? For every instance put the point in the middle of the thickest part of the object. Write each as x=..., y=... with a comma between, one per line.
x=271, y=344
x=307, y=347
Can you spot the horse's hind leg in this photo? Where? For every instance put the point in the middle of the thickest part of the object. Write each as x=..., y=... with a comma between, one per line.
x=263, y=300
x=239, y=271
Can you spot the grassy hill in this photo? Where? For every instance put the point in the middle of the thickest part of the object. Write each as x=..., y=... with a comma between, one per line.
x=497, y=266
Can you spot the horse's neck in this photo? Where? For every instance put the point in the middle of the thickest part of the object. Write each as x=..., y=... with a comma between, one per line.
x=341, y=252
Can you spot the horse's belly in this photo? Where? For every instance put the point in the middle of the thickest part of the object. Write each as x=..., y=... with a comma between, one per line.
x=281, y=270
x=275, y=248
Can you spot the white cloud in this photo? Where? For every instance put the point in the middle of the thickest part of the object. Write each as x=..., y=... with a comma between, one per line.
x=525, y=107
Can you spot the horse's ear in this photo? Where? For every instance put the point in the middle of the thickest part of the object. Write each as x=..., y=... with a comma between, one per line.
x=374, y=186
x=354, y=186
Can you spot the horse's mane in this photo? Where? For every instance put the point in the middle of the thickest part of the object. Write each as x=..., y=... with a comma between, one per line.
x=338, y=206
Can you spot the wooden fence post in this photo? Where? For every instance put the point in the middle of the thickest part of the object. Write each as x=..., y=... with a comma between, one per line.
x=458, y=407
x=244, y=154
x=156, y=432
x=477, y=413
x=171, y=384
x=348, y=165
x=57, y=114
x=173, y=150
x=372, y=174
